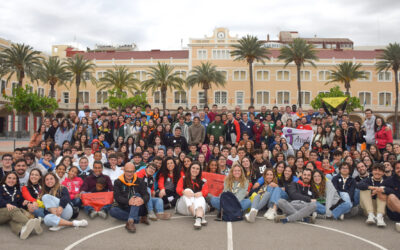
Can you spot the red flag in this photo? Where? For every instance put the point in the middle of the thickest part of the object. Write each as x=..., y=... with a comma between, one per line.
x=97, y=200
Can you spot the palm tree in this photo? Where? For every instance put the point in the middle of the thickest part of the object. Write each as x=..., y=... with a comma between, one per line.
x=53, y=72
x=205, y=75
x=118, y=80
x=300, y=53
x=390, y=59
x=251, y=50
x=346, y=72
x=162, y=77
x=21, y=60
x=78, y=66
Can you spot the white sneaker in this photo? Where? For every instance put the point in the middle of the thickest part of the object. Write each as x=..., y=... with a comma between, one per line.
x=203, y=221
x=271, y=215
x=379, y=221
x=267, y=214
x=371, y=219
x=398, y=227
x=38, y=227
x=27, y=229
x=80, y=223
x=197, y=223
x=313, y=217
x=252, y=215
x=152, y=216
x=57, y=228
x=341, y=217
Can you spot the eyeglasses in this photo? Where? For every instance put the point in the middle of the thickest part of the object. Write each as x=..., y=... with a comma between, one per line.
x=7, y=159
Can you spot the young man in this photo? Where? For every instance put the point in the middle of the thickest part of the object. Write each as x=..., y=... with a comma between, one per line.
x=216, y=128
x=302, y=204
x=137, y=162
x=31, y=163
x=20, y=170
x=392, y=190
x=130, y=194
x=372, y=199
x=345, y=185
x=211, y=115
x=197, y=133
x=184, y=128
x=232, y=134
x=113, y=171
x=193, y=154
x=177, y=139
x=259, y=164
x=246, y=125
x=7, y=162
x=46, y=161
x=83, y=166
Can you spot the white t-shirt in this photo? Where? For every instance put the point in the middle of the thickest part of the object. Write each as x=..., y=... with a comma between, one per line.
x=113, y=174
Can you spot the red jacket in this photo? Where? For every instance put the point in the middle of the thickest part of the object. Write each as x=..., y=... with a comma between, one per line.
x=195, y=187
x=383, y=136
x=257, y=131
x=304, y=127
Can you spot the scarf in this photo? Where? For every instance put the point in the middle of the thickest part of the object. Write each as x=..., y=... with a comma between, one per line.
x=11, y=195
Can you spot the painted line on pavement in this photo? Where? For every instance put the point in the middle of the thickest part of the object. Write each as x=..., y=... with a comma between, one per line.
x=229, y=234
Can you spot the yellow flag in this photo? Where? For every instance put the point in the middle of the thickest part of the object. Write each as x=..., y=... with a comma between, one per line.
x=334, y=101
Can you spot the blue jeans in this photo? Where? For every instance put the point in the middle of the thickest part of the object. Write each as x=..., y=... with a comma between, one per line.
x=156, y=203
x=343, y=208
x=53, y=220
x=356, y=197
x=39, y=212
x=320, y=208
x=76, y=202
x=215, y=202
x=277, y=194
x=106, y=208
x=127, y=213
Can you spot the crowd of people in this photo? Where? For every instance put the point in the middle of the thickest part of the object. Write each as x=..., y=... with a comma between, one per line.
x=154, y=161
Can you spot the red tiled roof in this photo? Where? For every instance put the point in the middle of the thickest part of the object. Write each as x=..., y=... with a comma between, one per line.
x=341, y=54
x=121, y=55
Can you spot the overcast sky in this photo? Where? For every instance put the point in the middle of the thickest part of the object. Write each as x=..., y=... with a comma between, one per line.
x=162, y=24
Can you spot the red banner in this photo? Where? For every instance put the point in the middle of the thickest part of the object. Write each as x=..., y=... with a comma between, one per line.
x=215, y=183
x=97, y=200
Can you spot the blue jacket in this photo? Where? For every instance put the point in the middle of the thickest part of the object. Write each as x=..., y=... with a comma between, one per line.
x=348, y=187
x=248, y=128
x=392, y=185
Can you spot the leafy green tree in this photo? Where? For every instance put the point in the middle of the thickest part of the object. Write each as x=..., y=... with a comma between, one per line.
x=119, y=100
x=78, y=66
x=205, y=75
x=163, y=78
x=352, y=103
x=345, y=73
x=390, y=60
x=251, y=50
x=299, y=52
x=54, y=72
x=119, y=79
x=20, y=60
x=24, y=101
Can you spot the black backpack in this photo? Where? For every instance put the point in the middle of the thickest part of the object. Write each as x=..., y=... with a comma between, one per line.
x=231, y=210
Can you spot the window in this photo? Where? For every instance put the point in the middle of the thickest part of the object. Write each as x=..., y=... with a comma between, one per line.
x=262, y=97
x=324, y=75
x=221, y=54
x=240, y=98
x=40, y=91
x=262, y=75
x=102, y=97
x=201, y=54
x=83, y=97
x=181, y=74
x=180, y=97
x=65, y=97
x=220, y=97
x=368, y=76
x=157, y=97
x=239, y=75
x=385, y=99
x=14, y=86
x=385, y=76
x=305, y=75
x=283, y=97
x=225, y=73
x=87, y=76
x=3, y=87
x=305, y=97
x=283, y=75
x=365, y=98
x=141, y=75
x=201, y=99
x=99, y=74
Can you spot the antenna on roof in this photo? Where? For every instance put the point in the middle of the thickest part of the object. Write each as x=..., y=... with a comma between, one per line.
x=181, y=43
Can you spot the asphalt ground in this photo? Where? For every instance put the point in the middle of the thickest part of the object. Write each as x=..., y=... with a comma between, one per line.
x=178, y=233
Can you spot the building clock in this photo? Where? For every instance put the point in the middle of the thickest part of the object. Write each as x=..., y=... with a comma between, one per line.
x=221, y=35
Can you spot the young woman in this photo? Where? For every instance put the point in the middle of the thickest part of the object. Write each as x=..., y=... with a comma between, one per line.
x=327, y=196
x=118, y=143
x=248, y=170
x=91, y=130
x=202, y=161
x=167, y=180
x=130, y=143
x=206, y=151
x=56, y=200
x=61, y=172
x=193, y=189
x=11, y=211
x=329, y=135
x=263, y=195
x=375, y=153
x=64, y=132
x=237, y=184
x=184, y=166
x=320, y=135
x=357, y=136
x=212, y=167
x=383, y=134
x=73, y=183
x=31, y=191
x=38, y=136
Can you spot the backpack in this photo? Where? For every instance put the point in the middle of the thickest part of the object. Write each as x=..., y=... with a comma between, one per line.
x=231, y=210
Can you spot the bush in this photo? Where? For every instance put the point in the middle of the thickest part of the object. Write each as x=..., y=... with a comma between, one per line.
x=352, y=103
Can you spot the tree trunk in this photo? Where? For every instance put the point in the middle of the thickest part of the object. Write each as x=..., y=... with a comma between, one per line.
x=31, y=124
x=347, y=86
x=21, y=78
x=51, y=90
x=205, y=97
x=77, y=83
x=164, y=99
x=251, y=84
x=299, y=86
x=396, y=106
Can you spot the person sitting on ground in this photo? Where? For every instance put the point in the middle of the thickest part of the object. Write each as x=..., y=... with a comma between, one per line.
x=155, y=203
x=372, y=201
x=7, y=161
x=345, y=185
x=56, y=201
x=31, y=192
x=73, y=183
x=83, y=167
x=392, y=190
x=193, y=190
x=46, y=161
x=11, y=211
x=131, y=196
x=20, y=169
x=168, y=178
x=302, y=203
x=90, y=186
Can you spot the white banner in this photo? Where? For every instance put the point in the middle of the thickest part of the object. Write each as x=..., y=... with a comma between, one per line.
x=297, y=137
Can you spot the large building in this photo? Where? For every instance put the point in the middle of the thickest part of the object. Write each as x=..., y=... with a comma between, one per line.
x=273, y=84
